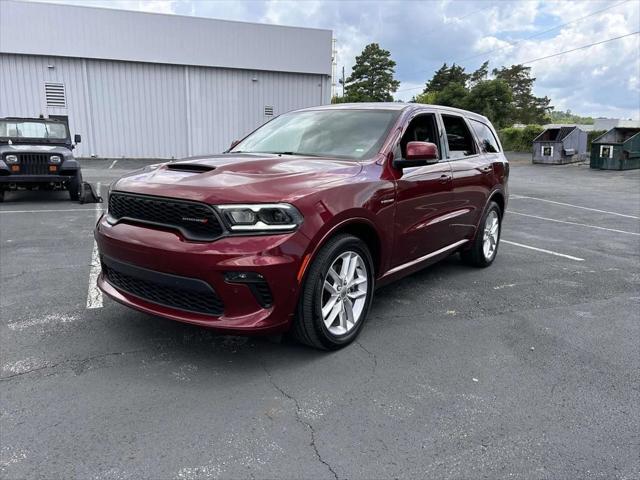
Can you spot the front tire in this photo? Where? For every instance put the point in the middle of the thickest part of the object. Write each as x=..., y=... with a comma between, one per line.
x=336, y=295
x=484, y=248
x=75, y=186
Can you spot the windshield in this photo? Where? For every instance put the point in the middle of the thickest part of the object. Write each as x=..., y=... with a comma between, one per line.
x=29, y=129
x=338, y=133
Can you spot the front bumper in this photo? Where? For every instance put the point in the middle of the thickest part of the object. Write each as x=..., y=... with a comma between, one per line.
x=277, y=258
x=34, y=178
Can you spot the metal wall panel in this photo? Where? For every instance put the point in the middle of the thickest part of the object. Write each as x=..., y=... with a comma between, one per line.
x=129, y=109
x=36, y=28
x=227, y=104
x=139, y=105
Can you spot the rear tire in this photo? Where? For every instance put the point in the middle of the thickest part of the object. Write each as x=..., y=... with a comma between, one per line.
x=336, y=294
x=484, y=248
x=75, y=185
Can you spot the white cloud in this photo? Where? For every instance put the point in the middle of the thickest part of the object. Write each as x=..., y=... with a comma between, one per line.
x=601, y=80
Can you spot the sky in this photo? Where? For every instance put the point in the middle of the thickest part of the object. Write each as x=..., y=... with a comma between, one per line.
x=600, y=81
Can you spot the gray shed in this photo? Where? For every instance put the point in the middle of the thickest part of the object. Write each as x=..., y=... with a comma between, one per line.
x=560, y=145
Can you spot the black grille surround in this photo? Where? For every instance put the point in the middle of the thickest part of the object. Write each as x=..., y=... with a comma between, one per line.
x=195, y=221
x=181, y=293
x=33, y=163
x=262, y=292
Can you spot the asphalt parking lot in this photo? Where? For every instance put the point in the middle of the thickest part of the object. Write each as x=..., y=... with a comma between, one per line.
x=528, y=369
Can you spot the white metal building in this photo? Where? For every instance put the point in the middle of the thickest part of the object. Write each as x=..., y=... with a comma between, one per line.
x=152, y=85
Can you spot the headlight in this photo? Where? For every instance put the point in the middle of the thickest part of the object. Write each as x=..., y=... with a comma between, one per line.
x=54, y=159
x=261, y=217
x=11, y=159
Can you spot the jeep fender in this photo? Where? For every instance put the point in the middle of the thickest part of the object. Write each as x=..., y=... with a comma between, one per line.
x=69, y=166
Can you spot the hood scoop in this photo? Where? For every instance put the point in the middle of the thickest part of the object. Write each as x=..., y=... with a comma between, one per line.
x=190, y=167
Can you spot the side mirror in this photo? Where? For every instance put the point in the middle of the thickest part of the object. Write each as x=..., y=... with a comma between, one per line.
x=77, y=138
x=233, y=144
x=418, y=154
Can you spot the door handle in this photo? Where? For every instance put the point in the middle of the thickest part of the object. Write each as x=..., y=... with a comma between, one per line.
x=444, y=178
x=487, y=169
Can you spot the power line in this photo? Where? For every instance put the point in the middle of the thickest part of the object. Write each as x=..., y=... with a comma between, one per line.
x=555, y=54
x=537, y=34
x=579, y=48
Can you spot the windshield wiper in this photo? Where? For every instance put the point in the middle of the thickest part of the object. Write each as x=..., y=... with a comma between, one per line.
x=301, y=154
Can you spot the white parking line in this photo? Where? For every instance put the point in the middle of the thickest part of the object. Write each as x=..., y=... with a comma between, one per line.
x=94, y=295
x=574, y=206
x=577, y=259
x=98, y=209
x=113, y=164
x=574, y=223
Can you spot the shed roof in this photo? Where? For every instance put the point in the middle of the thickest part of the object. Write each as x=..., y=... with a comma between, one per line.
x=35, y=28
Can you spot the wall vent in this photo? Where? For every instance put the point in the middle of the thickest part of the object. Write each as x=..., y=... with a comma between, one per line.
x=268, y=110
x=54, y=93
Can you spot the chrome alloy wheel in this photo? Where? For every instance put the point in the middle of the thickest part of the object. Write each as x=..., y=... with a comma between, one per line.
x=491, y=235
x=344, y=294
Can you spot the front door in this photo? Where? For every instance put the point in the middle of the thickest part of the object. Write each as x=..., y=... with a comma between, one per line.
x=423, y=197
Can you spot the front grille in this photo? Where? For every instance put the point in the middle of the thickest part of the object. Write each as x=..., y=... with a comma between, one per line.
x=33, y=163
x=182, y=293
x=196, y=221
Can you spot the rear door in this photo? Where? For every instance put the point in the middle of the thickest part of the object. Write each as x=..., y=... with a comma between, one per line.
x=423, y=196
x=472, y=170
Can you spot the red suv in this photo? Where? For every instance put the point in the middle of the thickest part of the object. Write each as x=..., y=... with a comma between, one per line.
x=295, y=225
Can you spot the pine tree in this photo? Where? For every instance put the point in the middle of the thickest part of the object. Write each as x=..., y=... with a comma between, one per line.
x=479, y=75
x=446, y=76
x=371, y=79
x=527, y=108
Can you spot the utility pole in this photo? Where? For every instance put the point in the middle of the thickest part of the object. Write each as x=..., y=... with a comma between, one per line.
x=334, y=66
x=342, y=81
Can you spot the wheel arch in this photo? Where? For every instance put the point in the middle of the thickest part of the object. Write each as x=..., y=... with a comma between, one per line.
x=498, y=197
x=359, y=227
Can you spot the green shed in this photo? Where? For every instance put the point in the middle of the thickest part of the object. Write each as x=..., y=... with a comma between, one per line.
x=618, y=149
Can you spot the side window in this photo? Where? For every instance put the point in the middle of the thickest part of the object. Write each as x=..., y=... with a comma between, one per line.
x=487, y=139
x=459, y=138
x=421, y=129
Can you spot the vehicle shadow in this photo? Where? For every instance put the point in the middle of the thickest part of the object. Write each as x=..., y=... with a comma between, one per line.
x=177, y=342
x=36, y=196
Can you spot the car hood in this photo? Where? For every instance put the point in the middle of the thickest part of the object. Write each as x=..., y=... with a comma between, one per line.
x=33, y=148
x=239, y=178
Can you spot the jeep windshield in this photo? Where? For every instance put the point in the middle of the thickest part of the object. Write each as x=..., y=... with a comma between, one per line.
x=33, y=130
x=349, y=133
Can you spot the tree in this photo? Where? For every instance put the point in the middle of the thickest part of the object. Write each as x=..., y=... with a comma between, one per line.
x=558, y=116
x=445, y=76
x=479, y=75
x=429, y=98
x=453, y=95
x=493, y=99
x=371, y=79
x=527, y=108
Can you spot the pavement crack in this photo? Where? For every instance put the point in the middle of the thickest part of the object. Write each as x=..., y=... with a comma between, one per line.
x=301, y=421
x=371, y=355
x=76, y=364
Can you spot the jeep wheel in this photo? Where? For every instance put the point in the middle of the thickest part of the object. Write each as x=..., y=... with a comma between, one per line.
x=1, y=195
x=484, y=248
x=74, y=186
x=336, y=294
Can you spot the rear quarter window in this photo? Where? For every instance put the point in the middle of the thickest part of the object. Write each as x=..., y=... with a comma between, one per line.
x=488, y=141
